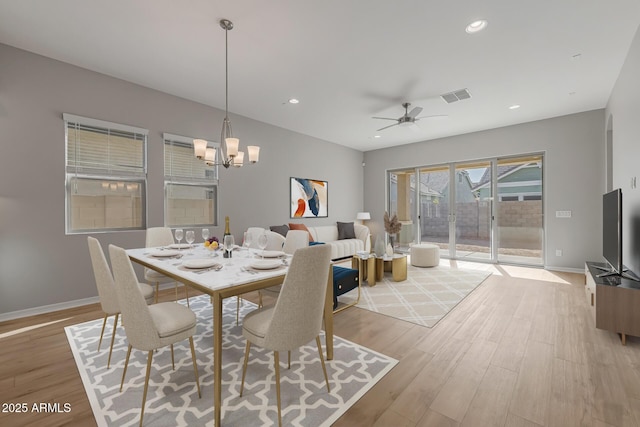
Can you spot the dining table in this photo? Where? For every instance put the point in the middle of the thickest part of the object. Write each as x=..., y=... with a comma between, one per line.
x=209, y=272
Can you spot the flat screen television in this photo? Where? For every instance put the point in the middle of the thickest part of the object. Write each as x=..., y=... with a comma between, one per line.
x=612, y=235
x=612, y=230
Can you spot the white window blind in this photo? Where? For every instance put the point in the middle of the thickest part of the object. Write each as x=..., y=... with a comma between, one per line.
x=180, y=164
x=102, y=148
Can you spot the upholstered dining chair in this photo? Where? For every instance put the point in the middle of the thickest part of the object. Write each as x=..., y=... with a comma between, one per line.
x=296, y=318
x=107, y=290
x=155, y=237
x=295, y=239
x=149, y=327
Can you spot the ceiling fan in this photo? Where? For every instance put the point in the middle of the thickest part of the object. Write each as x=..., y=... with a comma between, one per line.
x=409, y=117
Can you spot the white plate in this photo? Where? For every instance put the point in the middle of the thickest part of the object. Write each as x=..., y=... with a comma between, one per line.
x=163, y=253
x=270, y=254
x=180, y=246
x=266, y=264
x=199, y=263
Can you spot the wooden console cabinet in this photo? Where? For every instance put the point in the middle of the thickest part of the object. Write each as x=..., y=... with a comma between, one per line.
x=616, y=301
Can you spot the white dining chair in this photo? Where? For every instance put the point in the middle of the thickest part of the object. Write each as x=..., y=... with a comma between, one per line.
x=295, y=239
x=296, y=318
x=149, y=327
x=107, y=290
x=159, y=237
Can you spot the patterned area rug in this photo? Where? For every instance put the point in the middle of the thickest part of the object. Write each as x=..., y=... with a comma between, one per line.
x=173, y=400
x=424, y=298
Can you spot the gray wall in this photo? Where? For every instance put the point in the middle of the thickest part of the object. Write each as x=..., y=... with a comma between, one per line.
x=39, y=264
x=573, y=176
x=623, y=117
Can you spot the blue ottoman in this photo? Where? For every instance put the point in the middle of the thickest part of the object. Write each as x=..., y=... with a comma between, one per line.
x=344, y=280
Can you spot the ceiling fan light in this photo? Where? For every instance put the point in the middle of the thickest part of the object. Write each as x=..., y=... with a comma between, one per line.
x=199, y=148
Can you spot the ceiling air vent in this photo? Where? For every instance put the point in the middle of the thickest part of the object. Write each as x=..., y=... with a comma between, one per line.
x=456, y=96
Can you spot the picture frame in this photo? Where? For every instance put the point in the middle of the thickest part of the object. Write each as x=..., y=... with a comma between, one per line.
x=308, y=198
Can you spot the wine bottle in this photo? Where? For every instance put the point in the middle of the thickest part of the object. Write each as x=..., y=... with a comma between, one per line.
x=226, y=253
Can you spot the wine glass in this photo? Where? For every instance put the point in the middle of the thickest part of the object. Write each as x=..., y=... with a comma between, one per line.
x=190, y=237
x=228, y=243
x=248, y=238
x=179, y=233
x=205, y=234
x=262, y=242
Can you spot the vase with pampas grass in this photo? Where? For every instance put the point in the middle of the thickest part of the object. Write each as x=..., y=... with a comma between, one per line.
x=392, y=226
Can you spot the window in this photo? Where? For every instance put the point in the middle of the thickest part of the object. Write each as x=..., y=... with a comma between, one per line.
x=191, y=187
x=105, y=176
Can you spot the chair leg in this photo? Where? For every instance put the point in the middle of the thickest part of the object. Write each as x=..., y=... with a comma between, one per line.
x=324, y=369
x=146, y=384
x=113, y=337
x=173, y=364
x=238, y=299
x=126, y=364
x=276, y=360
x=195, y=366
x=104, y=323
x=244, y=365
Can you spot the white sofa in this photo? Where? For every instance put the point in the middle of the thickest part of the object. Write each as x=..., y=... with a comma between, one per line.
x=342, y=248
x=326, y=234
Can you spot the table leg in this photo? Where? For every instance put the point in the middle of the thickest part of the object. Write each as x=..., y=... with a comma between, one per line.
x=217, y=359
x=328, y=314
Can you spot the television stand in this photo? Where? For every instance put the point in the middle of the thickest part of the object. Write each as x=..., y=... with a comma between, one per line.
x=615, y=300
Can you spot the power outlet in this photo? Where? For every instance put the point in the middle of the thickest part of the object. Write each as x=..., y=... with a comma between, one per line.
x=558, y=252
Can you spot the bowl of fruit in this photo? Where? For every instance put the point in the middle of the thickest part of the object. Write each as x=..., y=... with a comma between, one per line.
x=212, y=243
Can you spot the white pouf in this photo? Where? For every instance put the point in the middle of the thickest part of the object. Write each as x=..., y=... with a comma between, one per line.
x=425, y=255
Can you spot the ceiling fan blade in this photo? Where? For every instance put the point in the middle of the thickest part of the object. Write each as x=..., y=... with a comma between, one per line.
x=386, y=127
x=414, y=113
x=435, y=117
x=383, y=118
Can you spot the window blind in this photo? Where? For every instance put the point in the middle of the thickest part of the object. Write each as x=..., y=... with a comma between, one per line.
x=180, y=165
x=102, y=148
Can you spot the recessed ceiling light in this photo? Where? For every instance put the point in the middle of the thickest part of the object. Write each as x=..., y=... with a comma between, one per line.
x=293, y=101
x=514, y=107
x=476, y=26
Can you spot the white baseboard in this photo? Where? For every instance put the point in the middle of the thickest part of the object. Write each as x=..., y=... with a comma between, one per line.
x=56, y=307
x=47, y=308
x=566, y=269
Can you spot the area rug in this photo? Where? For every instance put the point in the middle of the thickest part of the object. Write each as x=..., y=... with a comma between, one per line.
x=424, y=298
x=172, y=398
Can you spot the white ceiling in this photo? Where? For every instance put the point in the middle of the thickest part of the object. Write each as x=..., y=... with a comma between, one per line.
x=346, y=60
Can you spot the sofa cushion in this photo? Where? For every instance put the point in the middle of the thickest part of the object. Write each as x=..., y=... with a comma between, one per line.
x=346, y=231
x=280, y=229
x=293, y=226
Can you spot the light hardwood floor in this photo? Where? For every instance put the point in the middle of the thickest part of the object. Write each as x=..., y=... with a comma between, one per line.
x=520, y=350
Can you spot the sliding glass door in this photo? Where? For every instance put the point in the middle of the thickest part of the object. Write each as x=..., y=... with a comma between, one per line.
x=485, y=210
x=519, y=210
x=472, y=213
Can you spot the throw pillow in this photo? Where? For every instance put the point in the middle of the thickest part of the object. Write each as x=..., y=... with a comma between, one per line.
x=300, y=227
x=346, y=231
x=280, y=229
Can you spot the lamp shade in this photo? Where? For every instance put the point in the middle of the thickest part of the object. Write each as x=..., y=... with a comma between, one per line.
x=199, y=148
x=210, y=156
x=238, y=160
x=254, y=153
x=363, y=216
x=232, y=146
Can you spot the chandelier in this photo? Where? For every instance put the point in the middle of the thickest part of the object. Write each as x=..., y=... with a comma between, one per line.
x=232, y=156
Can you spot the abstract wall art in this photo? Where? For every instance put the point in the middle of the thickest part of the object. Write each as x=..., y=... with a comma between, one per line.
x=309, y=198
